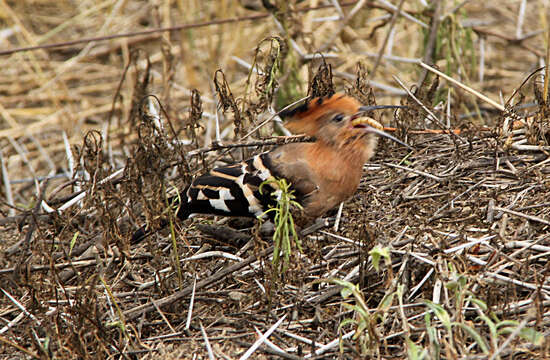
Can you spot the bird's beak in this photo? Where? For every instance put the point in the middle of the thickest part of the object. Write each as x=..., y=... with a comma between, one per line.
x=379, y=107
x=372, y=126
x=365, y=121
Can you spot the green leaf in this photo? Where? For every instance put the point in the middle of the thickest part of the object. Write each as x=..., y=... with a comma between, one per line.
x=532, y=335
x=479, y=303
x=412, y=350
x=341, y=282
x=475, y=335
x=432, y=335
x=441, y=313
x=490, y=324
x=345, y=292
x=73, y=242
x=361, y=326
x=378, y=252
x=350, y=307
x=386, y=301
x=512, y=323
x=527, y=333
x=347, y=322
x=363, y=313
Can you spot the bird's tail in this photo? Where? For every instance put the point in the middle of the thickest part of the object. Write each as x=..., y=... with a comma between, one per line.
x=141, y=234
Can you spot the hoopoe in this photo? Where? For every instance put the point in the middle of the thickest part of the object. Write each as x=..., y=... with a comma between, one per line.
x=322, y=173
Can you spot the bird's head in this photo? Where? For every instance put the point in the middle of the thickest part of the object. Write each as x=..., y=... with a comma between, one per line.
x=337, y=120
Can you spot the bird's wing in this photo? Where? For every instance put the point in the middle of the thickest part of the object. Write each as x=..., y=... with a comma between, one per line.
x=233, y=190
x=289, y=163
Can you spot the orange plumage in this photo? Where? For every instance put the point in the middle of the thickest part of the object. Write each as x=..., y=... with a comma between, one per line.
x=303, y=119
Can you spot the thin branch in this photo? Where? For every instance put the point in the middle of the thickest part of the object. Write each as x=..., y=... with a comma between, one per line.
x=159, y=30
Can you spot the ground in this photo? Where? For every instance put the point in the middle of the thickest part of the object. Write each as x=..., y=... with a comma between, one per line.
x=441, y=253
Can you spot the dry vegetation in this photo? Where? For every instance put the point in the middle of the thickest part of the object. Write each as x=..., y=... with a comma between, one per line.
x=442, y=253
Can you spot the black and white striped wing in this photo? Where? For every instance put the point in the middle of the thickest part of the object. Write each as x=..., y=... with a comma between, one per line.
x=231, y=190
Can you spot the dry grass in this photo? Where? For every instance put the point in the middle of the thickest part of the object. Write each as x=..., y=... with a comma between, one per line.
x=464, y=219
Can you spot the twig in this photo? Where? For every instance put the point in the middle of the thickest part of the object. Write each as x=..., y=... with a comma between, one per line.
x=299, y=338
x=33, y=225
x=7, y=185
x=386, y=39
x=419, y=172
x=338, y=217
x=512, y=40
x=210, y=254
x=272, y=117
x=148, y=307
x=343, y=22
x=527, y=285
x=404, y=14
x=270, y=351
x=331, y=344
x=163, y=316
x=275, y=348
x=419, y=285
x=157, y=30
x=431, y=115
x=464, y=87
x=21, y=307
x=517, y=213
x=82, y=194
x=207, y=343
x=262, y=338
x=13, y=322
x=19, y=347
x=434, y=27
x=279, y=140
x=191, y=304
x=438, y=211
x=521, y=18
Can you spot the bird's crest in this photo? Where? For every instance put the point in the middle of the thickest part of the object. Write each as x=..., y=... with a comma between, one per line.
x=301, y=119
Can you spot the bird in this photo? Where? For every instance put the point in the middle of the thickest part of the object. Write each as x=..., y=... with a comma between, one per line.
x=322, y=173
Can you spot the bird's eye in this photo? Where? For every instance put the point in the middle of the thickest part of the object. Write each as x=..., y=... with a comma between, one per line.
x=337, y=118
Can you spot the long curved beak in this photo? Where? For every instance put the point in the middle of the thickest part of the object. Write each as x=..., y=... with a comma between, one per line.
x=386, y=135
x=370, y=125
x=379, y=107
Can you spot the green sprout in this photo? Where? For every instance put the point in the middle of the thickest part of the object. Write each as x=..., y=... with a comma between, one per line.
x=284, y=222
